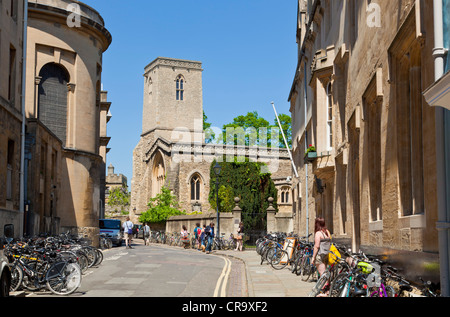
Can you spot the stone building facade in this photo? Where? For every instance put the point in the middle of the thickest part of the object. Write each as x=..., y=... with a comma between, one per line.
x=62, y=160
x=11, y=114
x=172, y=151
x=357, y=97
x=114, y=180
x=66, y=116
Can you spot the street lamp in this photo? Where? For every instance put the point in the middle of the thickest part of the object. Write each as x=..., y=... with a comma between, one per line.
x=217, y=170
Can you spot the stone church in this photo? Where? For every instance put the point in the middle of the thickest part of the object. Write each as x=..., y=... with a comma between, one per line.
x=172, y=150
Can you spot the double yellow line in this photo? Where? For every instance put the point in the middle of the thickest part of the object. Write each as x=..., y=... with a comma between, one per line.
x=223, y=279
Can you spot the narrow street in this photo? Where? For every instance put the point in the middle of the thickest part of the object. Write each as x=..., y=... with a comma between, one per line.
x=154, y=271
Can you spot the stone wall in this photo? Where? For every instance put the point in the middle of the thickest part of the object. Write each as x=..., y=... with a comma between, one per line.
x=229, y=222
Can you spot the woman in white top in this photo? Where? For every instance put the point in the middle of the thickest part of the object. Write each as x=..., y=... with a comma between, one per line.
x=322, y=242
x=128, y=232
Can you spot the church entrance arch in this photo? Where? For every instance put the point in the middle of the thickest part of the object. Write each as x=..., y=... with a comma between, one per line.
x=158, y=174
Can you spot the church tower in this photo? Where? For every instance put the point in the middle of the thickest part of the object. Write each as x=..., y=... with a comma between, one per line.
x=173, y=97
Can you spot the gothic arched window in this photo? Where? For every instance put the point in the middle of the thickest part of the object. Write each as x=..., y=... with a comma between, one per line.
x=195, y=187
x=180, y=87
x=285, y=195
x=159, y=175
x=52, y=102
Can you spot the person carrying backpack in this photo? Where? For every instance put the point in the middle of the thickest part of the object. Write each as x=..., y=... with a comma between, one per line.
x=128, y=232
x=197, y=233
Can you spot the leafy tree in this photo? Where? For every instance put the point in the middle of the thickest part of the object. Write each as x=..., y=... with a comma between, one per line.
x=209, y=134
x=161, y=208
x=119, y=197
x=286, y=125
x=250, y=124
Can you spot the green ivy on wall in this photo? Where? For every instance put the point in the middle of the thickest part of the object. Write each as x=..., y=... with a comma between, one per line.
x=247, y=181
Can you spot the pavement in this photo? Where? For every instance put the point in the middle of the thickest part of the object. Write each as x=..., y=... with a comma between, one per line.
x=249, y=278
x=263, y=280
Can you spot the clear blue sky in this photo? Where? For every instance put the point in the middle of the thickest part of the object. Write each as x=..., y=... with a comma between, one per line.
x=247, y=48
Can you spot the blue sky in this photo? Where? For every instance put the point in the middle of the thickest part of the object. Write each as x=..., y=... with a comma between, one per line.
x=247, y=48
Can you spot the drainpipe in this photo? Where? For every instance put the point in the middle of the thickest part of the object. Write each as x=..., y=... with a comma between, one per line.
x=443, y=224
x=22, y=147
x=306, y=165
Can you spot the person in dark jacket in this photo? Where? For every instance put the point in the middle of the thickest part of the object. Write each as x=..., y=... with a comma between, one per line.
x=210, y=237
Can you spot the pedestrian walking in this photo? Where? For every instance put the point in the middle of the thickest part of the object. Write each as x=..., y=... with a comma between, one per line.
x=128, y=232
x=322, y=244
x=240, y=237
x=210, y=237
x=185, y=237
x=197, y=233
x=203, y=238
x=146, y=229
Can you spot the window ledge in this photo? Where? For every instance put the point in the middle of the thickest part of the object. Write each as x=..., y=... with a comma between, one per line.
x=376, y=225
x=413, y=221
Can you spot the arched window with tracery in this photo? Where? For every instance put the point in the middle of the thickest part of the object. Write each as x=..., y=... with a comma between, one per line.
x=180, y=87
x=285, y=195
x=195, y=187
x=52, y=99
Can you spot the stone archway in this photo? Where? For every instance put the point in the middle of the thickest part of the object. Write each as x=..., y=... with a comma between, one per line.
x=158, y=174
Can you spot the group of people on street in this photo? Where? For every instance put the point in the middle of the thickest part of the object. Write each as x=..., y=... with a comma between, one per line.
x=128, y=233
x=204, y=237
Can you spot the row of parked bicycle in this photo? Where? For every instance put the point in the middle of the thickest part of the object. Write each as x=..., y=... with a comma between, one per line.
x=56, y=263
x=174, y=239
x=349, y=274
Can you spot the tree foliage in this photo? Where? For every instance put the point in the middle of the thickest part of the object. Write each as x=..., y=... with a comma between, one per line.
x=209, y=133
x=246, y=181
x=286, y=125
x=226, y=199
x=119, y=197
x=249, y=125
x=161, y=208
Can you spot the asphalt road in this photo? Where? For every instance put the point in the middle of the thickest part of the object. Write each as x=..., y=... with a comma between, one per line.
x=155, y=271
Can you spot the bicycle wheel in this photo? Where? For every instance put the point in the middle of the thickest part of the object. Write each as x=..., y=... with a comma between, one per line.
x=78, y=256
x=99, y=257
x=280, y=259
x=339, y=286
x=297, y=267
x=270, y=254
x=320, y=285
x=307, y=269
x=32, y=283
x=232, y=244
x=63, y=278
x=83, y=261
x=16, y=278
x=91, y=255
